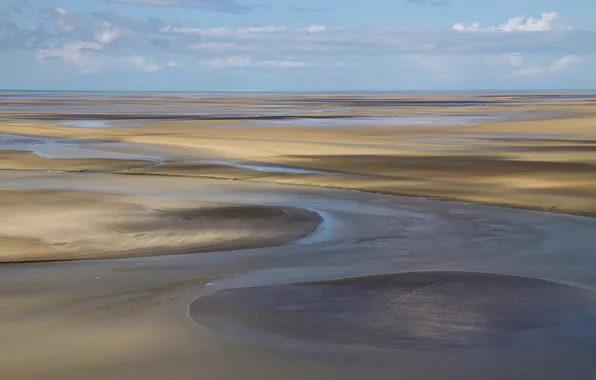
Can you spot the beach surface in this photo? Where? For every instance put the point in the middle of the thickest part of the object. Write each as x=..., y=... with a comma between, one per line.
x=531, y=151
x=220, y=237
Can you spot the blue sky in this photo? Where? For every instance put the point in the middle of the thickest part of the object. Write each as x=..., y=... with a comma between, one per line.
x=285, y=45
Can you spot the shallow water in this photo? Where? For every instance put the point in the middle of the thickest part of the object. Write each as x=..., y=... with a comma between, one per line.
x=264, y=168
x=50, y=147
x=96, y=110
x=383, y=121
x=96, y=124
x=394, y=288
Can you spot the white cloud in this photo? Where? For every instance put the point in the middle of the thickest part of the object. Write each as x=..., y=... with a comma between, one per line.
x=88, y=58
x=446, y=67
x=501, y=49
x=228, y=6
x=63, y=21
x=514, y=59
x=243, y=62
x=233, y=61
x=546, y=22
x=153, y=36
x=315, y=29
x=564, y=63
x=456, y=67
x=467, y=27
x=529, y=24
x=373, y=41
x=146, y=65
x=154, y=3
x=82, y=54
x=225, y=31
x=558, y=65
x=531, y=71
x=69, y=52
x=107, y=35
x=282, y=64
x=205, y=46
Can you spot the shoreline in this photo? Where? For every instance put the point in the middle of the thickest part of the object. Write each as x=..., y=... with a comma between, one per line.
x=543, y=165
x=256, y=179
x=111, y=313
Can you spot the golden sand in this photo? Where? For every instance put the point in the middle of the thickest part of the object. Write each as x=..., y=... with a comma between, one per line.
x=65, y=225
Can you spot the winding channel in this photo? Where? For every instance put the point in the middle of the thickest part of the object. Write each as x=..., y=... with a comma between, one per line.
x=388, y=287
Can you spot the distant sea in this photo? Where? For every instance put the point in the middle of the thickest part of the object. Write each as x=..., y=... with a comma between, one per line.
x=239, y=91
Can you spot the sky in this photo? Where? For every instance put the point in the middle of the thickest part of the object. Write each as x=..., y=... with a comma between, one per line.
x=297, y=45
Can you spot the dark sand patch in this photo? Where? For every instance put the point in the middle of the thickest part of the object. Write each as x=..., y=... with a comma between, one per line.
x=438, y=311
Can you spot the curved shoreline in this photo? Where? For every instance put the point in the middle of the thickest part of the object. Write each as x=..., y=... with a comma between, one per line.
x=395, y=193
x=111, y=313
x=284, y=181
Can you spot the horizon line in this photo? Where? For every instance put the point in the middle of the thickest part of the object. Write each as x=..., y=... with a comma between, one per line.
x=299, y=91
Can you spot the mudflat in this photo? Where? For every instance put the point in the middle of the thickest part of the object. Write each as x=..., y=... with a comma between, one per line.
x=523, y=151
x=217, y=236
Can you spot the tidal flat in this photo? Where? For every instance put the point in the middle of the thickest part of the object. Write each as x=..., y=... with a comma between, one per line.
x=297, y=236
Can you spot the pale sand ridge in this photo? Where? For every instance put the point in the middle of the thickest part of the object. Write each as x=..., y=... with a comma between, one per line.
x=66, y=225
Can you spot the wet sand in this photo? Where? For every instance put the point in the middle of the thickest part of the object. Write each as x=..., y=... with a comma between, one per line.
x=444, y=311
x=11, y=160
x=135, y=318
x=300, y=282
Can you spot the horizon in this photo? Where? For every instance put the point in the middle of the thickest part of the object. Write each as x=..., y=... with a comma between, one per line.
x=463, y=91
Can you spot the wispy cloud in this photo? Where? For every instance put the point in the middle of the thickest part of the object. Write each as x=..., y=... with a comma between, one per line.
x=63, y=21
x=287, y=63
x=81, y=54
x=227, y=6
x=87, y=58
x=154, y=36
x=306, y=9
x=434, y=3
x=149, y=66
x=224, y=31
x=107, y=35
x=240, y=61
x=546, y=22
x=106, y=41
x=563, y=63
